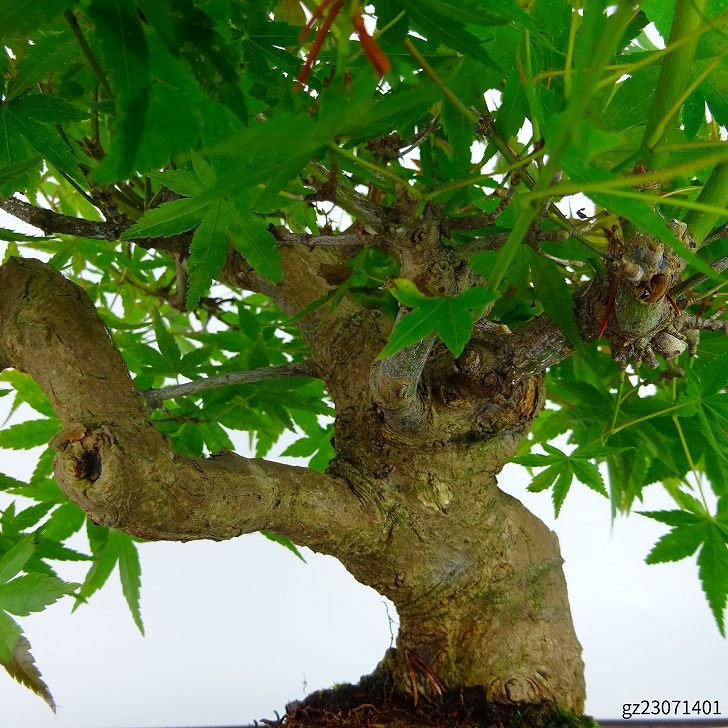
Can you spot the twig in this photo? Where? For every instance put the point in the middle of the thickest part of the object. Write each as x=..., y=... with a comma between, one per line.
x=326, y=241
x=717, y=234
x=54, y=222
x=498, y=240
x=381, y=173
x=335, y=190
x=90, y=57
x=710, y=324
x=181, y=279
x=125, y=194
x=435, y=78
x=537, y=345
x=487, y=128
x=485, y=219
x=51, y=222
x=416, y=139
x=469, y=222
x=280, y=371
x=681, y=289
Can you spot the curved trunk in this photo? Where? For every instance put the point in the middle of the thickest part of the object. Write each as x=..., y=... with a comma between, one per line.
x=476, y=578
x=505, y=624
x=415, y=513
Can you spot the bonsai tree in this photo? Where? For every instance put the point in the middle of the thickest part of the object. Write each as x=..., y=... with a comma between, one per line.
x=256, y=214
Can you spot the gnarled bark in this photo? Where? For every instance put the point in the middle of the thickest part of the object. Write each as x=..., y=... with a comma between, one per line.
x=476, y=578
x=119, y=468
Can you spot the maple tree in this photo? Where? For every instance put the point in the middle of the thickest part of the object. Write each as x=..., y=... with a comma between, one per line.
x=309, y=210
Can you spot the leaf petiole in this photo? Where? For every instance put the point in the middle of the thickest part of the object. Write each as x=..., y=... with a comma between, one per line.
x=650, y=416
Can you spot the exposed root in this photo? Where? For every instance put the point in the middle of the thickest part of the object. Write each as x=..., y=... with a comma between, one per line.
x=374, y=703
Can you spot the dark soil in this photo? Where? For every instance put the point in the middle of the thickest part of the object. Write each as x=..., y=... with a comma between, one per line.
x=373, y=704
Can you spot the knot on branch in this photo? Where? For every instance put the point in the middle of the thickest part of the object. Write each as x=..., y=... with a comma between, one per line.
x=480, y=395
x=648, y=266
x=637, y=312
x=80, y=464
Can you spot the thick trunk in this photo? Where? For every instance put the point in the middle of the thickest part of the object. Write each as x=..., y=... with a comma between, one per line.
x=476, y=578
x=416, y=514
x=503, y=622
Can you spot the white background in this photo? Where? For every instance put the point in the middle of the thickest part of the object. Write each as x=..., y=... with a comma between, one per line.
x=237, y=629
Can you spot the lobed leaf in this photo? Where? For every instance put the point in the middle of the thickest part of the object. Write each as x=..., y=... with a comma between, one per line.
x=166, y=343
x=410, y=329
x=681, y=542
x=555, y=296
x=561, y=487
x=21, y=16
x=589, y=474
x=130, y=572
x=449, y=31
x=15, y=559
x=32, y=593
x=28, y=391
x=29, y=434
x=49, y=53
x=285, y=542
x=252, y=238
x=125, y=54
x=171, y=218
x=454, y=325
x=6, y=482
x=105, y=559
x=207, y=252
x=47, y=109
x=17, y=660
x=713, y=572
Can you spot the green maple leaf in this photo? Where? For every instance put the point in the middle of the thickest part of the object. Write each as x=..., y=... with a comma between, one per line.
x=450, y=317
x=693, y=530
x=110, y=548
x=22, y=595
x=560, y=470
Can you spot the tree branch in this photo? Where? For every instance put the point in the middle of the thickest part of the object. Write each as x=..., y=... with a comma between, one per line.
x=51, y=222
x=298, y=369
x=486, y=219
x=85, y=48
x=682, y=288
x=333, y=189
x=303, y=256
x=710, y=324
x=537, y=345
x=469, y=222
x=345, y=240
x=540, y=343
x=497, y=240
x=54, y=222
x=394, y=383
x=120, y=469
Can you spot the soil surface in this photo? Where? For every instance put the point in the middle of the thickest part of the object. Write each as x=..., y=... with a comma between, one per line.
x=373, y=704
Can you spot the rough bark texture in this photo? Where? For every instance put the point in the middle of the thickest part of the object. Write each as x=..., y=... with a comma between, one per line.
x=409, y=505
x=475, y=577
x=121, y=470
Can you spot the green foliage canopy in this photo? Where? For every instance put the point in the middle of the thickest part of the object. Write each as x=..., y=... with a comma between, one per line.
x=176, y=126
